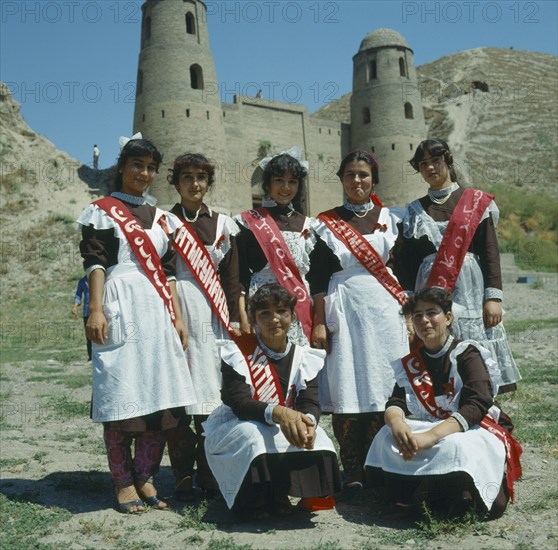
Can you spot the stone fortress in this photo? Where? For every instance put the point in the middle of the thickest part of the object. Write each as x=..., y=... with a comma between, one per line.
x=178, y=107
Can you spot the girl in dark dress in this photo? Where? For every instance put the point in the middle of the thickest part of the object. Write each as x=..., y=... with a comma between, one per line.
x=283, y=190
x=193, y=176
x=356, y=318
x=478, y=290
x=456, y=450
x=140, y=373
x=263, y=444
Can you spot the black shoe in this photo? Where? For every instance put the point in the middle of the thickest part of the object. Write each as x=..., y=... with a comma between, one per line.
x=184, y=491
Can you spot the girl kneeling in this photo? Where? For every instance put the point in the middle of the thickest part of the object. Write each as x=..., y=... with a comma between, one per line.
x=263, y=443
x=453, y=453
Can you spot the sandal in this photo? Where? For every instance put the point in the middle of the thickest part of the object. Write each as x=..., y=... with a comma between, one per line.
x=155, y=502
x=355, y=480
x=128, y=507
x=150, y=500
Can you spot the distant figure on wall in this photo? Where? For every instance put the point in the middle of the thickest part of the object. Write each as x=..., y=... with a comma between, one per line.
x=96, y=154
x=82, y=297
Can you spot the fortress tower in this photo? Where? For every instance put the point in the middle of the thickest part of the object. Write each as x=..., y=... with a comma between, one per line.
x=386, y=112
x=177, y=100
x=178, y=106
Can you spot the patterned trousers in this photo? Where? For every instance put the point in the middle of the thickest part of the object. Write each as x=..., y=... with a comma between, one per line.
x=148, y=452
x=186, y=448
x=354, y=433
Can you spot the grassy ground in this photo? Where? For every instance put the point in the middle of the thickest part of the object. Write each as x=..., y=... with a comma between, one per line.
x=25, y=522
x=528, y=227
x=40, y=326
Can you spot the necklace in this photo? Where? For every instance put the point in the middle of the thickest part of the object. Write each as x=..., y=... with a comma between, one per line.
x=130, y=199
x=194, y=218
x=440, y=196
x=355, y=209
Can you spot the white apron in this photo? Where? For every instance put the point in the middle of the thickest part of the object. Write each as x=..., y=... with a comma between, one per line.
x=300, y=245
x=367, y=330
x=141, y=368
x=477, y=452
x=468, y=294
x=205, y=331
x=232, y=444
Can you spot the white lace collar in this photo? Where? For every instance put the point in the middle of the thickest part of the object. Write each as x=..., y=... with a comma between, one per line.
x=273, y=354
x=442, y=351
x=130, y=199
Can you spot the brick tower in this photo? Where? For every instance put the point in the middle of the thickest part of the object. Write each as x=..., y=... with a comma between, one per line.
x=177, y=100
x=386, y=112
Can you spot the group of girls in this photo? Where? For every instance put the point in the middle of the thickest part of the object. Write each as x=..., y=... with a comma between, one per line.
x=227, y=338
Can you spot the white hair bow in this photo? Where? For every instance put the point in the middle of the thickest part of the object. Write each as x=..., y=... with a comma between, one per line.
x=295, y=152
x=122, y=140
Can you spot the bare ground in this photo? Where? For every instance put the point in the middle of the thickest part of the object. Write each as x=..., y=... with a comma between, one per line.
x=53, y=455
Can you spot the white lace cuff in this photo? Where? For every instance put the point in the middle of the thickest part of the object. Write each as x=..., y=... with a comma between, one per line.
x=171, y=278
x=311, y=417
x=493, y=294
x=90, y=270
x=462, y=422
x=268, y=413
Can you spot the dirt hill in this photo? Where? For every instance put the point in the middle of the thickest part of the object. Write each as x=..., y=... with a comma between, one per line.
x=506, y=134
x=41, y=196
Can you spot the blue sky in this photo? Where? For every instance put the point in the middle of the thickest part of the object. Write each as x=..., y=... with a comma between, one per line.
x=72, y=64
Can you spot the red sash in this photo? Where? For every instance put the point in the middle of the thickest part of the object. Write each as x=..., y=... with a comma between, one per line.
x=513, y=451
x=141, y=246
x=457, y=237
x=265, y=381
x=364, y=253
x=421, y=384
x=282, y=263
x=195, y=255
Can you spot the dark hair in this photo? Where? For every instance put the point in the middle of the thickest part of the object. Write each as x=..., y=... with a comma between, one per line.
x=435, y=148
x=279, y=166
x=355, y=156
x=197, y=160
x=133, y=149
x=437, y=295
x=269, y=295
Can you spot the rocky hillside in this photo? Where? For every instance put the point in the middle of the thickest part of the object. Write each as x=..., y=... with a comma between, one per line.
x=498, y=109
x=40, y=197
